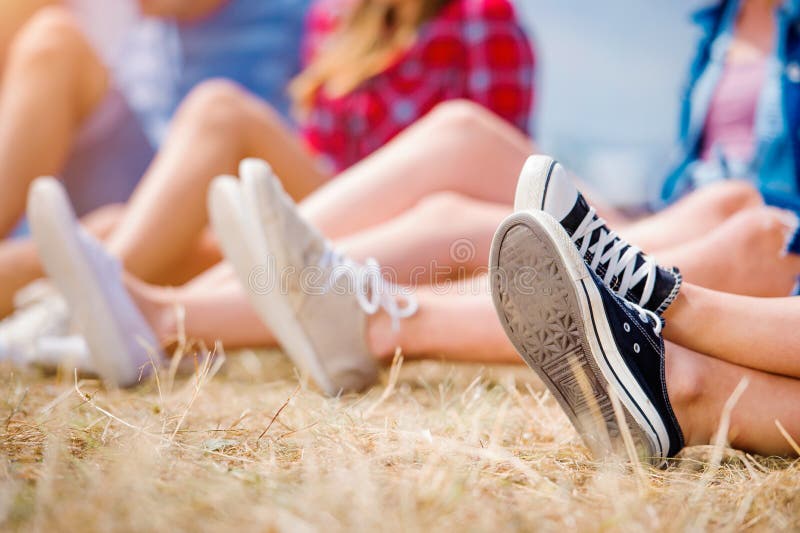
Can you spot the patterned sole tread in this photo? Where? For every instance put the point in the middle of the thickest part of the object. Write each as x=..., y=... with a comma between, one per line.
x=537, y=301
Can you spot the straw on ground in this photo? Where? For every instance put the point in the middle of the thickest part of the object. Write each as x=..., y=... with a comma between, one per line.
x=437, y=447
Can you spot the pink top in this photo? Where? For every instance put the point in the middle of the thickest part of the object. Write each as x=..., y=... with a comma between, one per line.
x=730, y=124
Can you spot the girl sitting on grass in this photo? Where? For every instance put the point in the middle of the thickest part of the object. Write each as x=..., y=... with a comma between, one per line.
x=739, y=118
x=88, y=86
x=375, y=67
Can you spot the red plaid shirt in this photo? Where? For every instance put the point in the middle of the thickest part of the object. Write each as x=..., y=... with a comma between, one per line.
x=473, y=49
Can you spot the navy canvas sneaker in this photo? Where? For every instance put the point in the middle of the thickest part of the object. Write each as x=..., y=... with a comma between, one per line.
x=582, y=339
x=633, y=275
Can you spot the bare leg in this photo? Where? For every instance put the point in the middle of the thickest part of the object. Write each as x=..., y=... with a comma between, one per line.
x=53, y=82
x=215, y=309
x=19, y=260
x=203, y=255
x=759, y=333
x=744, y=255
x=217, y=126
x=448, y=234
x=458, y=323
x=443, y=237
x=13, y=15
x=463, y=148
x=20, y=264
x=698, y=387
x=693, y=216
x=458, y=147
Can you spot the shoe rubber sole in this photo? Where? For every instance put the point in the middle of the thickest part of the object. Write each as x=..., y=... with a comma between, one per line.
x=245, y=248
x=55, y=230
x=531, y=187
x=553, y=314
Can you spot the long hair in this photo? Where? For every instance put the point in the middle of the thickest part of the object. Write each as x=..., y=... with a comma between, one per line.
x=366, y=43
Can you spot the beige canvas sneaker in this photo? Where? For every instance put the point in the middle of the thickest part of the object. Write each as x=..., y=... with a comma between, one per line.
x=315, y=300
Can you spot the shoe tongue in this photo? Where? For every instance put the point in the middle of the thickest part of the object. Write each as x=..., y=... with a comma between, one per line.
x=665, y=285
x=575, y=215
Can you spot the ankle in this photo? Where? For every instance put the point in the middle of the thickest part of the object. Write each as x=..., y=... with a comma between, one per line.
x=382, y=338
x=157, y=309
x=684, y=317
x=164, y=321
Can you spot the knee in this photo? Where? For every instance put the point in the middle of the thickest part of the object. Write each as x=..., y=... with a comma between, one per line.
x=730, y=197
x=103, y=220
x=460, y=115
x=217, y=104
x=441, y=207
x=763, y=225
x=50, y=38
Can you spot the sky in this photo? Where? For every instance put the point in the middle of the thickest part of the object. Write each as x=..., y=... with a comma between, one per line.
x=610, y=77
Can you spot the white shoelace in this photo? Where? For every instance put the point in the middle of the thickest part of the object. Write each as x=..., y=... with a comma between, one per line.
x=620, y=265
x=372, y=291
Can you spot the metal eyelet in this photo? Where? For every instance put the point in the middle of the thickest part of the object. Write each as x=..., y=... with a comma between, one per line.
x=627, y=327
x=636, y=348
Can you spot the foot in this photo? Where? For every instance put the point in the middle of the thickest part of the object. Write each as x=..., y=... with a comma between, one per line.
x=315, y=300
x=67, y=352
x=584, y=341
x=633, y=275
x=28, y=336
x=121, y=344
x=39, y=311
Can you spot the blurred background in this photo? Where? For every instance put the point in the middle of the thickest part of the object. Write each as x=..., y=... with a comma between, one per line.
x=610, y=77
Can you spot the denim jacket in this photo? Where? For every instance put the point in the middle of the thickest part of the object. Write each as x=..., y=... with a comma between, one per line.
x=775, y=167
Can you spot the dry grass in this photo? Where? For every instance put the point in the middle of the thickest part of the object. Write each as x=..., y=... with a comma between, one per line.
x=436, y=447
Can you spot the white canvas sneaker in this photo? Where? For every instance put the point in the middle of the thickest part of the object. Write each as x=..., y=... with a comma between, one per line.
x=66, y=351
x=315, y=300
x=122, y=345
x=38, y=332
x=39, y=311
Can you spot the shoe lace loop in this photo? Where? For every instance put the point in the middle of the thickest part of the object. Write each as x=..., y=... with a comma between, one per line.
x=620, y=257
x=372, y=291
